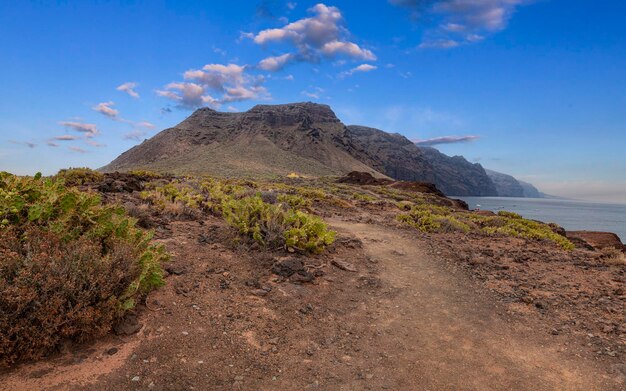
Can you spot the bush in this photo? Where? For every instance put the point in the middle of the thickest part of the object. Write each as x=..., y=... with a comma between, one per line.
x=433, y=218
x=275, y=226
x=79, y=176
x=295, y=201
x=69, y=266
x=306, y=232
x=512, y=224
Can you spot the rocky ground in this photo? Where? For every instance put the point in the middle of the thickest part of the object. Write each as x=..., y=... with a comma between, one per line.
x=386, y=307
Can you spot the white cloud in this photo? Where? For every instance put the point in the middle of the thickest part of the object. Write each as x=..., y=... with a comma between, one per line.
x=89, y=130
x=360, y=68
x=277, y=63
x=188, y=95
x=444, y=140
x=77, y=149
x=439, y=44
x=314, y=94
x=105, y=108
x=461, y=21
x=348, y=48
x=129, y=88
x=322, y=34
x=230, y=81
x=145, y=124
x=95, y=144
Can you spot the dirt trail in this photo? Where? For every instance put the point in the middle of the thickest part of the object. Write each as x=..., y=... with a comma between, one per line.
x=444, y=335
x=404, y=320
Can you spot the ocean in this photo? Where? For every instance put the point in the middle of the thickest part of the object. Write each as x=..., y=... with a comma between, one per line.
x=572, y=215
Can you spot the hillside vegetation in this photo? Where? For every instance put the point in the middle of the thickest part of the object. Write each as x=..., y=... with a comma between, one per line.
x=73, y=261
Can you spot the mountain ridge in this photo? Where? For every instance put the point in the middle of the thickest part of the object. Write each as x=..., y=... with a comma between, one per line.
x=306, y=138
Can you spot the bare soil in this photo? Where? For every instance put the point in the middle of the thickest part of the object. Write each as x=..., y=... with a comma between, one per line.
x=389, y=309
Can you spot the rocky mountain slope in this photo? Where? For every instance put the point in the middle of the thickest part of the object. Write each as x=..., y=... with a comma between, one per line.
x=305, y=138
x=403, y=160
x=506, y=185
x=509, y=186
x=531, y=191
x=467, y=178
x=266, y=140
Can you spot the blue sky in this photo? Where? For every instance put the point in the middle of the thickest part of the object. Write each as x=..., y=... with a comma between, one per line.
x=540, y=85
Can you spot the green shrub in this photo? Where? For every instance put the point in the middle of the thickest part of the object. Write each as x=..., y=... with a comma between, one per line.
x=511, y=215
x=523, y=228
x=295, y=201
x=274, y=226
x=428, y=220
x=363, y=197
x=145, y=174
x=305, y=232
x=79, y=176
x=69, y=266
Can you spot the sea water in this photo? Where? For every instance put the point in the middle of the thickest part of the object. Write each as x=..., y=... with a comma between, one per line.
x=572, y=215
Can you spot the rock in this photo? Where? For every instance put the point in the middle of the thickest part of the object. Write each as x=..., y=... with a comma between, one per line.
x=129, y=325
x=118, y=182
x=135, y=379
x=541, y=304
x=306, y=309
x=343, y=265
x=598, y=240
x=174, y=269
x=286, y=267
x=302, y=276
x=362, y=178
x=112, y=351
x=259, y=292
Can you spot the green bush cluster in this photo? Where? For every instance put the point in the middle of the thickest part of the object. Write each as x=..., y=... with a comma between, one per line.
x=435, y=218
x=85, y=242
x=295, y=201
x=512, y=224
x=276, y=226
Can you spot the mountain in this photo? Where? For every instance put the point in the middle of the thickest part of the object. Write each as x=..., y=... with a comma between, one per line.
x=531, y=191
x=305, y=138
x=398, y=157
x=506, y=185
x=266, y=140
x=459, y=176
x=509, y=186
x=403, y=160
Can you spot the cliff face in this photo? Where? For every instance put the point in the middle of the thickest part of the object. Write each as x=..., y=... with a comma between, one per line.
x=531, y=191
x=397, y=156
x=403, y=160
x=506, y=185
x=459, y=177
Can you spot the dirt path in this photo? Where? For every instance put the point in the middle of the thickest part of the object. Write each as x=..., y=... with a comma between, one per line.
x=404, y=320
x=444, y=335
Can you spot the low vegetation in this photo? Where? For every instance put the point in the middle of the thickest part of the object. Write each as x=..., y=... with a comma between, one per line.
x=70, y=267
x=433, y=218
x=275, y=225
